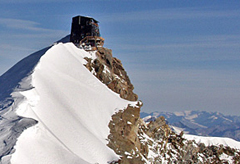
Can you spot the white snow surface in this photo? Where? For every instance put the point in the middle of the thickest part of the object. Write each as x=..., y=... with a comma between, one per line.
x=209, y=140
x=72, y=107
x=214, y=141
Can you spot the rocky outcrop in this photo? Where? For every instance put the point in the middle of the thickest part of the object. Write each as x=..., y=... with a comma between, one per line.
x=110, y=71
x=202, y=123
x=138, y=142
x=123, y=138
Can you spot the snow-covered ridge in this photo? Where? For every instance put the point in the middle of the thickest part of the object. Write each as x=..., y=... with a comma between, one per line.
x=214, y=141
x=71, y=110
x=202, y=123
x=72, y=107
x=11, y=124
x=210, y=140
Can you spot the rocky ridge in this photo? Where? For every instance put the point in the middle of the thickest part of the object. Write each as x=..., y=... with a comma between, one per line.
x=201, y=123
x=136, y=141
x=110, y=71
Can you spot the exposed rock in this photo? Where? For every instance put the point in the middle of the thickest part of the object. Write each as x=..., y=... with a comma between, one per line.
x=123, y=138
x=137, y=142
x=110, y=71
x=158, y=128
x=201, y=123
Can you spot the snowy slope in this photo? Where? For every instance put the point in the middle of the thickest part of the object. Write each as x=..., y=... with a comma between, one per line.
x=214, y=141
x=210, y=140
x=12, y=125
x=72, y=107
x=67, y=108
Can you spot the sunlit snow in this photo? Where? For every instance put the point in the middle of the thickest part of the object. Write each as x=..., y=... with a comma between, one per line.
x=72, y=107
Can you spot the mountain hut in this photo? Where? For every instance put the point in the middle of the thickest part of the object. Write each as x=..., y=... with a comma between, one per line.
x=85, y=32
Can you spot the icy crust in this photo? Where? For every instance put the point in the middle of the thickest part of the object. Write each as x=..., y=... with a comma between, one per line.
x=214, y=141
x=73, y=109
x=209, y=140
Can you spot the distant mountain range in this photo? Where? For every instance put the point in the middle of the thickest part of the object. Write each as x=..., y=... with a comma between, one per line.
x=200, y=122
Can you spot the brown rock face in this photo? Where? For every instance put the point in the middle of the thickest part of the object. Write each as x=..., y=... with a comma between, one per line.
x=128, y=135
x=110, y=71
x=137, y=142
x=123, y=138
x=158, y=128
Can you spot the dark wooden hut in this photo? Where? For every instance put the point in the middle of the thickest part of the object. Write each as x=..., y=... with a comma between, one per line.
x=85, y=30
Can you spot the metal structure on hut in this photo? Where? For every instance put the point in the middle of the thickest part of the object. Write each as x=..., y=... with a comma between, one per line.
x=85, y=33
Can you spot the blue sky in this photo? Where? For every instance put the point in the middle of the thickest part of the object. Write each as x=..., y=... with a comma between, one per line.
x=180, y=55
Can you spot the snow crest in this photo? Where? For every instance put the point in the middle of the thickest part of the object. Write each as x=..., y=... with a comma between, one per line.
x=73, y=109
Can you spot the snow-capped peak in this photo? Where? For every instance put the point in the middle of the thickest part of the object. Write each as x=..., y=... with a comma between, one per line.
x=72, y=108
